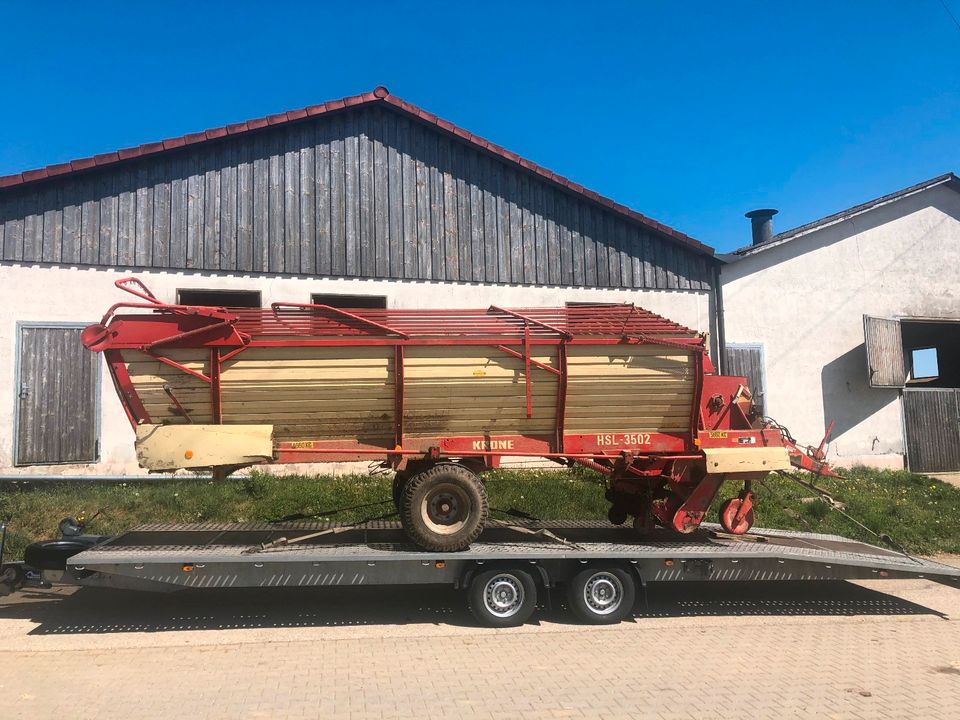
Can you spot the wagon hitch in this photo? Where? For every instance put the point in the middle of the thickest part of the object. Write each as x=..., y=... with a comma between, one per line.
x=806, y=457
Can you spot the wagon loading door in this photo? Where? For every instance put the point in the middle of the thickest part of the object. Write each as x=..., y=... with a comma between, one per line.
x=57, y=398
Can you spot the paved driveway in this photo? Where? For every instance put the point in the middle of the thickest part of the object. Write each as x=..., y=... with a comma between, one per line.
x=746, y=650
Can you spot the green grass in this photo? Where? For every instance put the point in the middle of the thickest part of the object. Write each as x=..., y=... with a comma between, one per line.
x=917, y=511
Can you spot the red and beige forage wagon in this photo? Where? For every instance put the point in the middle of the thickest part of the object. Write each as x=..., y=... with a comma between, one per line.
x=442, y=395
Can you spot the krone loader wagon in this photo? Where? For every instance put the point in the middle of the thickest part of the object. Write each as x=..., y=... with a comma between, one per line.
x=441, y=396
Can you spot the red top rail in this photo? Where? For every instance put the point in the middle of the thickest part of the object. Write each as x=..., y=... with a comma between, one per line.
x=300, y=320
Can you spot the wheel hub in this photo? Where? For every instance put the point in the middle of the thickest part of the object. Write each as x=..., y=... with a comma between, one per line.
x=503, y=595
x=443, y=508
x=603, y=593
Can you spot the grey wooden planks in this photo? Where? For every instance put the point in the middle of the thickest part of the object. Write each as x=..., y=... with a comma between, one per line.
x=361, y=193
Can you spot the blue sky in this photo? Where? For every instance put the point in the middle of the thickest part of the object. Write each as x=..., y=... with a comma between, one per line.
x=692, y=113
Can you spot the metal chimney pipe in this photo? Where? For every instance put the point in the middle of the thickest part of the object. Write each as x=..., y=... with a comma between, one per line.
x=761, y=223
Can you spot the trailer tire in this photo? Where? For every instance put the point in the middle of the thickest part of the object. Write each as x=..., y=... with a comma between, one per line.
x=502, y=598
x=444, y=508
x=602, y=596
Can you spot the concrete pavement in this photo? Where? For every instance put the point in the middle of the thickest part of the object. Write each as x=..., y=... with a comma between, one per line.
x=836, y=650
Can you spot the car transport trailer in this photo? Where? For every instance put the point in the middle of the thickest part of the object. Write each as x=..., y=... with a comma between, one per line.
x=504, y=573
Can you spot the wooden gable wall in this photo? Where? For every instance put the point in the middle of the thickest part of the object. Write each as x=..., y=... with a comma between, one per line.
x=366, y=192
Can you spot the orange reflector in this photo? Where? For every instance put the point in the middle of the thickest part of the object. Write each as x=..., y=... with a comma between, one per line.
x=440, y=564
x=188, y=454
x=884, y=573
x=187, y=568
x=668, y=563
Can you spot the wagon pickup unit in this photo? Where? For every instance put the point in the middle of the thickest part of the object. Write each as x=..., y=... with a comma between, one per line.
x=440, y=396
x=599, y=567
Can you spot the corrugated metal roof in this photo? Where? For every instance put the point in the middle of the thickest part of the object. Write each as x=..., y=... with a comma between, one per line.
x=378, y=95
x=948, y=179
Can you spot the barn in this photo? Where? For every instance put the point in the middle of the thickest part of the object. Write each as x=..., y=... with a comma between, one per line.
x=854, y=319
x=366, y=201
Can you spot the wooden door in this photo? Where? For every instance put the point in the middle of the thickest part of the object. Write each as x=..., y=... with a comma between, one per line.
x=931, y=420
x=57, y=397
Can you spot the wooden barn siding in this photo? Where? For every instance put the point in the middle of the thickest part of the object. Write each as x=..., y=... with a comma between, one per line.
x=367, y=193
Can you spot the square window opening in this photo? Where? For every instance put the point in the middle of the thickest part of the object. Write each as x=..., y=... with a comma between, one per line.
x=219, y=298
x=348, y=302
x=931, y=353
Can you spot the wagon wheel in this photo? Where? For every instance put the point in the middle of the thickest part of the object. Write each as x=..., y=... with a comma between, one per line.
x=444, y=508
x=399, y=482
x=617, y=515
x=728, y=516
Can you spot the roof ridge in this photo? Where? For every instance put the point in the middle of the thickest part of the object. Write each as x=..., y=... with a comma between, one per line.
x=947, y=177
x=377, y=95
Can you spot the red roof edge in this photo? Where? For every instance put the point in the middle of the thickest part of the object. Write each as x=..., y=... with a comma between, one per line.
x=380, y=94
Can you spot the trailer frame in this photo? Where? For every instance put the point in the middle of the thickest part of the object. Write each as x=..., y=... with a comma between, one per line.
x=168, y=557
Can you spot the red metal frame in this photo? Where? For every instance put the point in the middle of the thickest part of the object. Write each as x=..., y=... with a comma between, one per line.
x=658, y=475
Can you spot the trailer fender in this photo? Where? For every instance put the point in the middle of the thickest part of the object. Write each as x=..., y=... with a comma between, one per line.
x=534, y=568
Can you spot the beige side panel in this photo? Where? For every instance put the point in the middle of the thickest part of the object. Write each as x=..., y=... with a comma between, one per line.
x=329, y=393
x=169, y=447
x=149, y=375
x=471, y=389
x=640, y=388
x=746, y=459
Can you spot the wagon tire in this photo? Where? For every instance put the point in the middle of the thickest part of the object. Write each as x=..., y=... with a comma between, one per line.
x=617, y=515
x=444, y=508
x=502, y=598
x=728, y=516
x=399, y=482
x=602, y=596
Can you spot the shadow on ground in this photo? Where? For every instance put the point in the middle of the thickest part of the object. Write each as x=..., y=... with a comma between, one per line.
x=92, y=610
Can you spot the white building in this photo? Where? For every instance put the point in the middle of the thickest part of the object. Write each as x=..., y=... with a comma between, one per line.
x=367, y=200
x=855, y=319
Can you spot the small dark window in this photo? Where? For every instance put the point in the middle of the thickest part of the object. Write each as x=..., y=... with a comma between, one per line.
x=350, y=301
x=594, y=304
x=220, y=298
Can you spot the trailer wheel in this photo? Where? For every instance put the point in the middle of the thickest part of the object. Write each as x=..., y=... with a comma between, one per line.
x=602, y=596
x=444, y=508
x=503, y=598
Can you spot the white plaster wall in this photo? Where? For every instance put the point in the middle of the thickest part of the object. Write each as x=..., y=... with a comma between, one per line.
x=70, y=294
x=804, y=301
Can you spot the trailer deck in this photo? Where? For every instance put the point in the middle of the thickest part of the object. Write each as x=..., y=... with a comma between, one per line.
x=209, y=555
